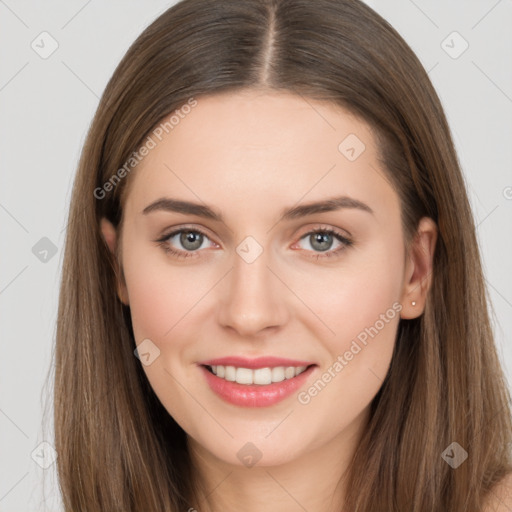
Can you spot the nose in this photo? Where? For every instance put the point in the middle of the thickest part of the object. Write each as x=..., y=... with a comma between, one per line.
x=252, y=299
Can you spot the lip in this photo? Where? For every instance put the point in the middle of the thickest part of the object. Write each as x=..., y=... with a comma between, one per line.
x=255, y=395
x=255, y=363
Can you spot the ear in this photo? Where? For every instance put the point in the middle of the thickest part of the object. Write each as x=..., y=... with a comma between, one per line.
x=110, y=236
x=418, y=269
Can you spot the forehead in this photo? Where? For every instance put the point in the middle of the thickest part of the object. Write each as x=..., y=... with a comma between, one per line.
x=232, y=149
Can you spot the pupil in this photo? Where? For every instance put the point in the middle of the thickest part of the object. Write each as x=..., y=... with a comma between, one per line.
x=319, y=238
x=191, y=240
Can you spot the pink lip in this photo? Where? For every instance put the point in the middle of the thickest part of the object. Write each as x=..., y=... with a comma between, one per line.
x=254, y=364
x=255, y=395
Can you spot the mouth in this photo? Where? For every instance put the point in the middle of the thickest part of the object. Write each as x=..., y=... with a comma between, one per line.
x=259, y=376
x=255, y=387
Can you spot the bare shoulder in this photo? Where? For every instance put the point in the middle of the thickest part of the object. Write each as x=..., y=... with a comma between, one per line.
x=500, y=496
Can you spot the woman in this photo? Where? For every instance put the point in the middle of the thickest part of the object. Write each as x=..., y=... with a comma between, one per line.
x=272, y=295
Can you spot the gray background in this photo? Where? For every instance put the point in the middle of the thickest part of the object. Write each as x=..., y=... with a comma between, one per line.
x=46, y=108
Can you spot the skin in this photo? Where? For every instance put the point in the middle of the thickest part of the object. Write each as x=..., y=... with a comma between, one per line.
x=249, y=156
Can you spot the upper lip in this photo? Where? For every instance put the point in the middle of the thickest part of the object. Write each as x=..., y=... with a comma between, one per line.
x=255, y=363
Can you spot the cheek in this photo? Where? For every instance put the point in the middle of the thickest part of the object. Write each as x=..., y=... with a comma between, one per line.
x=162, y=299
x=152, y=304
x=360, y=304
x=161, y=295
x=355, y=294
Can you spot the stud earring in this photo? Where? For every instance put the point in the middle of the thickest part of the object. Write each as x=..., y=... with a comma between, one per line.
x=413, y=303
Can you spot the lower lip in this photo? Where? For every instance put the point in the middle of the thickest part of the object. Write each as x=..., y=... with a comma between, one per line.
x=255, y=395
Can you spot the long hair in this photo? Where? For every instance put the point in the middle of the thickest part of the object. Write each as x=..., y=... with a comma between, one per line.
x=118, y=448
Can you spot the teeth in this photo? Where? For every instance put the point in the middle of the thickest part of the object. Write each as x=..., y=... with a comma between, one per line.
x=230, y=373
x=261, y=376
x=278, y=374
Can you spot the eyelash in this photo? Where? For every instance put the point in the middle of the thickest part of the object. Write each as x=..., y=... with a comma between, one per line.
x=345, y=243
x=163, y=242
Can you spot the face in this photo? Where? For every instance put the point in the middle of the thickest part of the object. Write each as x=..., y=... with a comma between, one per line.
x=252, y=278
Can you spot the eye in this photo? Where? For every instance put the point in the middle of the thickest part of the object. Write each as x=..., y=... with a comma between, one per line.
x=322, y=240
x=186, y=242
x=190, y=240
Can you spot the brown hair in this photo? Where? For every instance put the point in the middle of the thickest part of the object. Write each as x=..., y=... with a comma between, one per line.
x=118, y=448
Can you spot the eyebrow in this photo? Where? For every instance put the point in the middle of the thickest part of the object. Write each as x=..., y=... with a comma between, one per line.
x=328, y=205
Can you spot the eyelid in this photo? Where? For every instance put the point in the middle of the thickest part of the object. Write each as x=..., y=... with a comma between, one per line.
x=176, y=229
x=343, y=233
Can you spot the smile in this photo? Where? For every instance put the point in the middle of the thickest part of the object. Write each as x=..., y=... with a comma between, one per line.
x=260, y=387
x=261, y=376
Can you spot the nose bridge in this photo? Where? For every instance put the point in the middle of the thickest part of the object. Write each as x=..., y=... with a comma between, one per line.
x=253, y=298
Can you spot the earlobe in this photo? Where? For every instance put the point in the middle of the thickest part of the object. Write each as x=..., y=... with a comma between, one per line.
x=419, y=269
x=110, y=236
